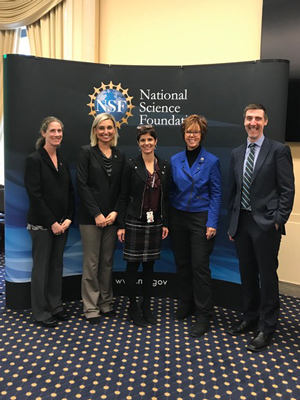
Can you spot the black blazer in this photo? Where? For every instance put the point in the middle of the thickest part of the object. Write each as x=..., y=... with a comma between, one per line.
x=133, y=185
x=272, y=189
x=99, y=193
x=50, y=192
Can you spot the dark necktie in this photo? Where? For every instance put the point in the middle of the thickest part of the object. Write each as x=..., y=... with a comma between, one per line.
x=245, y=200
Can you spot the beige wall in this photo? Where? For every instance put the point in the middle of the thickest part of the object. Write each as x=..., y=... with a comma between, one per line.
x=179, y=32
x=289, y=256
x=176, y=32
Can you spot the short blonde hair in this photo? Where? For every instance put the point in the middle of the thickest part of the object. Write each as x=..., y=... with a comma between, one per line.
x=99, y=118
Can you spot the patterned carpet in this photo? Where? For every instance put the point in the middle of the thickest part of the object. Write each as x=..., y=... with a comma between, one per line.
x=117, y=360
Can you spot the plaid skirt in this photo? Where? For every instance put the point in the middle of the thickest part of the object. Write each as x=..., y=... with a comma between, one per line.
x=142, y=240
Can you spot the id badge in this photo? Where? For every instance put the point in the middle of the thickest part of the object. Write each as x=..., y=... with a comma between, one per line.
x=150, y=216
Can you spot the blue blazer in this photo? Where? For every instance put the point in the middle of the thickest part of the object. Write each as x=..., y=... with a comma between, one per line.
x=198, y=188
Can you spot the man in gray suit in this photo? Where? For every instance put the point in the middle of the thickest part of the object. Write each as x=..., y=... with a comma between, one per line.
x=261, y=196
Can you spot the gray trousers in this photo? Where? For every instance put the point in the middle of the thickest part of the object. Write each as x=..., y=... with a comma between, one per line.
x=47, y=272
x=98, y=257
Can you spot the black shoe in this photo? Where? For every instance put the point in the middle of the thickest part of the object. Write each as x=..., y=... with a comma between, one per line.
x=94, y=320
x=260, y=342
x=110, y=314
x=49, y=322
x=199, y=328
x=147, y=314
x=241, y=327
x=183, y=312
x=135, y=315
x=61, y=316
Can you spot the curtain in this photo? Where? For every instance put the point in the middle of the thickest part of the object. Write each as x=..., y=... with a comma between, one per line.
x=8, y=44
x=46, y=36
x=17, y=13
x=82, y=27
x=70, y=31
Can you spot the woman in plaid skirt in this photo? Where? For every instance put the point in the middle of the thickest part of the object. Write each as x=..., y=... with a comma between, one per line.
x=143, y=219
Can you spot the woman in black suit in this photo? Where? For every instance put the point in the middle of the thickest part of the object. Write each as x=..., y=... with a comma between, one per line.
x=99, y=173
x=143, y=219
x=51, y=210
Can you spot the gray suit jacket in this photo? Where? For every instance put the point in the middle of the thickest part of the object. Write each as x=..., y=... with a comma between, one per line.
x=272, y=189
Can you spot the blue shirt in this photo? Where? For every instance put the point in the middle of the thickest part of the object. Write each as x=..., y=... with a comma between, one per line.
x=258, y=145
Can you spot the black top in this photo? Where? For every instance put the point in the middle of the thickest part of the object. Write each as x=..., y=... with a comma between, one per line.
x=192, y=155
x=107, y=163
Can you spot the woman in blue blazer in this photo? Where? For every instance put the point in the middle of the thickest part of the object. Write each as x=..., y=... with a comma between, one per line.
x=99, y=172
x=195, y=198
x=51, y=211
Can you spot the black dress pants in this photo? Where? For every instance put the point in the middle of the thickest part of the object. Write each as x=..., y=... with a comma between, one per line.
x=192, y=250
x=257, y=252
x=47, y=273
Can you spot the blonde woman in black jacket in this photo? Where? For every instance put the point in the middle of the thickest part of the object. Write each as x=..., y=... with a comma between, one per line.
x=143, y=219
x=99, y=173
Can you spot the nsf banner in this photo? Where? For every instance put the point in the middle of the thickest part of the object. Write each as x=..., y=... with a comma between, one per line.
x=115, y=100
x=163, y=96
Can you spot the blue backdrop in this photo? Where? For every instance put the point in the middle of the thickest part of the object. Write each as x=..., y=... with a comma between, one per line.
x=163, y=96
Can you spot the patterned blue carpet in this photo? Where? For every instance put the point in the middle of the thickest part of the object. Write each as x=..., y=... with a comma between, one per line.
x=117, y=360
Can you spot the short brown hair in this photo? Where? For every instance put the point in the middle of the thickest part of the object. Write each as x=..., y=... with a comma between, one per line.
x=255, y=106
x=143, y=130
x=195, y=119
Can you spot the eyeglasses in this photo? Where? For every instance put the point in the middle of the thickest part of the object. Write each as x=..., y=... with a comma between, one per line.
x=190, y=133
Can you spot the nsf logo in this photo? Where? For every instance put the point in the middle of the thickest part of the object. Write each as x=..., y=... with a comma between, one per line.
x=111, y=99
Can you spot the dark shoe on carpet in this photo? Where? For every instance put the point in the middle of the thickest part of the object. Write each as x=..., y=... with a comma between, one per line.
x=49, y=322
x=147, y=314
x=61, y=316
x=260, y=342
x=110, y=314
x=241, y=327
x=183, y=312
x=199, y=328
x=94, y=320
x=135, y=315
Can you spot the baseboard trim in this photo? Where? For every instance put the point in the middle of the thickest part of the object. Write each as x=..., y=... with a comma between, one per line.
x=289, y=289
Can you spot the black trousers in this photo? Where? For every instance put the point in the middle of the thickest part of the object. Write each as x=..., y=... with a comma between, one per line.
x=47, y=273
x=257, y=252
x=192, y=250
